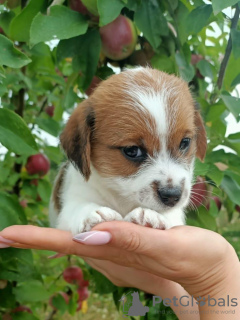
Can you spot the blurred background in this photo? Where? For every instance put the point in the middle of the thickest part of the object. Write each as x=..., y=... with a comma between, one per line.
x=52, y=56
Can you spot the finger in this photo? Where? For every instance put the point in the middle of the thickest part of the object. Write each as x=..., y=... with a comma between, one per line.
x=32, y=237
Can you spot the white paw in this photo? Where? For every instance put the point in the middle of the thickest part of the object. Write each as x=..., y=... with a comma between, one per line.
x=87, y=221
x=147, y=217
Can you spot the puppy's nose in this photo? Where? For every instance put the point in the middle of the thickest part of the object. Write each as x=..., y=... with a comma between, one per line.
x=169, y=196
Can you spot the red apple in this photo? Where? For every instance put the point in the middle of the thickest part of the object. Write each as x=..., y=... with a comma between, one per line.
x=23, y=203
x=11, y=3
x=84, y=283
x=119, y=38
x=95, y=82
x=237, y=207
x=63, y=294
x=73, y=275
x=217, y=201
x=83, y=293
x=38, y=164
x=91, y=6
x=78, y=6
x=50, y=110
x=198, y=192
x=21, y=309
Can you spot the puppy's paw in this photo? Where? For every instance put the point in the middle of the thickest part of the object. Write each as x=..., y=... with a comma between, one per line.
x=102, y=214
x=148, y=218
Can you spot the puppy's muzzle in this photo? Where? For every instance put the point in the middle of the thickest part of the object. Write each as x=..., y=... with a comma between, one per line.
x=169, y=196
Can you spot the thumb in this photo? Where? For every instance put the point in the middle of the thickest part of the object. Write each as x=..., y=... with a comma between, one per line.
x=127, y=236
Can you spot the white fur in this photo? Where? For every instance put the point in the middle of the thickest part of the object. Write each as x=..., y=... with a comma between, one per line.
x=85, y=204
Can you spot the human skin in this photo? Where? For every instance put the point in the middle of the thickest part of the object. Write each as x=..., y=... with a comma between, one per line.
x=179, y=260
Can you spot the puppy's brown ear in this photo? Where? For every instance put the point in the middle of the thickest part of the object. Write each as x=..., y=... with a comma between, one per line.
x=201, y=136
x=76, y=137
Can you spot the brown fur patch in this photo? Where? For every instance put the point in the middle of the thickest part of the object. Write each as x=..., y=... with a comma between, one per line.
x=112, y=118
x=56, y=196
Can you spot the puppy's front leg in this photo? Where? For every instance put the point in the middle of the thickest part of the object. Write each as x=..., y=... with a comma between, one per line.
x=151, y=218
x=80, y=217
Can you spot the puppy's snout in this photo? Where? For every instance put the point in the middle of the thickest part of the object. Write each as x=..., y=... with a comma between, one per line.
x=169, y=196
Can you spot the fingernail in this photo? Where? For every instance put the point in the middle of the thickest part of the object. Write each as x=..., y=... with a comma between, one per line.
x=3, y=245
x=95, y=238
x=57, y=255
x=5, y=241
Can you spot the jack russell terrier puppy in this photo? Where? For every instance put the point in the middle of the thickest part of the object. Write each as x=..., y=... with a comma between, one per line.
x=131, y=148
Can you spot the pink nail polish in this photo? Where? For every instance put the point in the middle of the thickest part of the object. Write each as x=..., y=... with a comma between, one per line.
x=3, y=245
x=95, y=238
x=6, y=241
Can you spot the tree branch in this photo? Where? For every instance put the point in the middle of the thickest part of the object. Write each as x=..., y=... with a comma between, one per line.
x=228, y=49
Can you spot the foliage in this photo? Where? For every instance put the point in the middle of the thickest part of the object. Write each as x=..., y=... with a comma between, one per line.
x=35, y=74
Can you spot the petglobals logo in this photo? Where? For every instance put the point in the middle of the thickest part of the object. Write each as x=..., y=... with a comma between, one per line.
x=132, y=306
x=186, y=301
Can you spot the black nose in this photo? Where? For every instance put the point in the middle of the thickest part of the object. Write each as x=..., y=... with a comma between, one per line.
x=169, y=196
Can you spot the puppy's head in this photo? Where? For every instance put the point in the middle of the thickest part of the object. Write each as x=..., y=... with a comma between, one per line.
x=141, y=132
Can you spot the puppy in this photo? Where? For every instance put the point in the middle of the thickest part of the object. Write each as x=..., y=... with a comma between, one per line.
x=131, y=148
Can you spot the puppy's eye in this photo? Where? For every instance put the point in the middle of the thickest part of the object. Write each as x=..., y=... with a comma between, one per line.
x=134, y=153
x=185, y=143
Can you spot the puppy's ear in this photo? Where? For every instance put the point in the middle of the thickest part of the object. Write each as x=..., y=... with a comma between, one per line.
x=201, y=136
x=76, y=137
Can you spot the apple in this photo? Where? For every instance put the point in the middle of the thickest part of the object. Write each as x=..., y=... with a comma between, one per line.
x=237, y=207
x=73, y=275
x=23, y=203
x=119, y=38
x=91, y=6
x=195, y=58
x=38, y=164
x=95, y=82
x=63, y=294
x=50, y=110
x=11, y=4
x=84, y=283
x=217, y=201
x=198, y=192
x=21, y=309
x=83, y=293
x=78, y=6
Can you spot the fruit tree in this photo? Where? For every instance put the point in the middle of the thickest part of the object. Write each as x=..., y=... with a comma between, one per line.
x=53, y=54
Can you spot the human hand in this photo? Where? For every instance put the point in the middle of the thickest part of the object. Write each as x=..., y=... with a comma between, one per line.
x=200, y=260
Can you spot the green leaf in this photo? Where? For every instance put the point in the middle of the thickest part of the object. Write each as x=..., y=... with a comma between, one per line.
x=231, y=188
x=236, y=81
x=15, y=135
x=109, y=10
x=205, y=68
x=232, y=71
x=214, y=112
x=5, y=20
x=44, y=190
x=23, y=316
x=31, y=291
x=12, y=203
x=103, y=285
x=186, y=70
x=219, y=5
x=85, y=51
x=233, y=104
x=181, y=15
x=62, y=23
x=163, y=63
x=10, y=56
x=20, y=25
x=59, y=303
x=206, y=220
x=49, y=125
x=151, y=21
x=236, y=43
x=198, y=19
